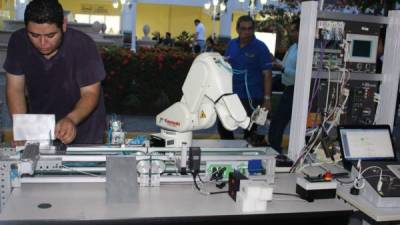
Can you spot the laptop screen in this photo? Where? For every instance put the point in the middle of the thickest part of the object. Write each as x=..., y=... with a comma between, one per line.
x=366, y=143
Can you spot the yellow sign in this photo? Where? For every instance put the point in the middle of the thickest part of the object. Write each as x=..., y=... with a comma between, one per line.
x=95, y=8
x=202, y=115
x=86, y=8
x=101, y=9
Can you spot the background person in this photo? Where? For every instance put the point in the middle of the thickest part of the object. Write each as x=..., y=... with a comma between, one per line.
x=283, y=113
x=252, y=77
x=168, y=40
x=200, y=34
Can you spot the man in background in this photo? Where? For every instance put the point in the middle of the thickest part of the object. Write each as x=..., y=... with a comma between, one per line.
x=283, y=113
x=200, y=35
x=168, y=40
x=252, y=77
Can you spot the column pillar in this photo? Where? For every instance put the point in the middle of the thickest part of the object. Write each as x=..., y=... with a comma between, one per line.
x=226, y=21
x=19, y=9
x=128, y=20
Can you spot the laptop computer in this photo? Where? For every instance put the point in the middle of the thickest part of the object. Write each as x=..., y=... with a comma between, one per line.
x=373, y=145
x=366, y=143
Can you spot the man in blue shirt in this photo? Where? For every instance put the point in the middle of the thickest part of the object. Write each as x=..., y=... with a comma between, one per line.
x=283, y=113
x=252, y=77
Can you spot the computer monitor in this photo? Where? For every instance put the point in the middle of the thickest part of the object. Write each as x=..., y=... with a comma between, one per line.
x=371, y=142
x=269, y=39
x=363, y=48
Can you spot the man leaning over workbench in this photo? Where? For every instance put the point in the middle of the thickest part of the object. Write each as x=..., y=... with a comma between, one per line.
x=61, y=70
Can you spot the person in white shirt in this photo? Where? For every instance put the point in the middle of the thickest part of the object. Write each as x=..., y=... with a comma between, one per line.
x=283, y=112
x=200, y=35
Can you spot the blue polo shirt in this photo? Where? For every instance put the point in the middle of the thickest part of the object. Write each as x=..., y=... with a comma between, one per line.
x=251, y=59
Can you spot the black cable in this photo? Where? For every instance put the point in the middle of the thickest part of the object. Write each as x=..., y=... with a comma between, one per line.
x=287, y=194
x=218, y=192
x=308, y=147
x=362, y=178
x=198, y=175
x=195, y=182
x=344, y=182
x=199, y=189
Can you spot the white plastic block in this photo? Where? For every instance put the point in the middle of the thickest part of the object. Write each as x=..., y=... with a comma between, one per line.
x=261, y=205
x=144, y=180
x=245, y=204
x=155, y=180
x=252, y=191
x=266, y=193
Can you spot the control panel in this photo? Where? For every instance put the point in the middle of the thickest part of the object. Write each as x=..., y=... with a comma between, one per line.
x=344, y=50
x=360, y=107
x=349, y=44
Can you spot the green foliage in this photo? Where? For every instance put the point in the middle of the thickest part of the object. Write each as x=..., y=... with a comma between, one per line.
x=136, y=82
x=184, y=41
x=184, y=37
x=278, y=21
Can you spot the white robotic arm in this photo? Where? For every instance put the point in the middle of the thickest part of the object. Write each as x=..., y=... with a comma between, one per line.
x=231, y=112
x=207, y=91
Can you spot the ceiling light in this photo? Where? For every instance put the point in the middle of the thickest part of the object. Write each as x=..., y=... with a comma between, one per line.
x=115, y=4
x=207, y=5
x=222, y=6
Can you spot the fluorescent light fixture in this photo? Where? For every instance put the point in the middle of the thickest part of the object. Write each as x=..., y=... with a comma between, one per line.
x=222, y=6
x=207, y=5
x=115, y=4
x=263, y=2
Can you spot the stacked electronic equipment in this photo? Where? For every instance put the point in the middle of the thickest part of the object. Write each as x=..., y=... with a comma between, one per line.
x=346, y=54
x=345, y=84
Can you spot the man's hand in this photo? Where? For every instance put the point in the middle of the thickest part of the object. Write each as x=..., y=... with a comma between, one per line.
x=266, y=105
x=276, y=65
x=65, y=130
x=66, y=127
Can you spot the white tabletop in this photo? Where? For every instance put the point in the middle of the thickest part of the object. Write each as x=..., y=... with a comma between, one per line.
x=379, y=214
x=87, y=201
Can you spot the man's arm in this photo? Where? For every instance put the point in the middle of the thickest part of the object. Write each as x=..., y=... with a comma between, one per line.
x=267, y=89
x=66, y=127
x=15, y=89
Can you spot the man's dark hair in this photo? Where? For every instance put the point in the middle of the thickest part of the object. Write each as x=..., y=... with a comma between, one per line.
x=245, y=19
x=196, y=21
x=210, y=40
x=296, y=23
x=197, y=49
x=44, y=11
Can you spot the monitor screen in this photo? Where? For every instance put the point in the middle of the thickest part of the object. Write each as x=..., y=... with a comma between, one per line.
x=366, y=144
x=269, y=39
x=361, y=48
